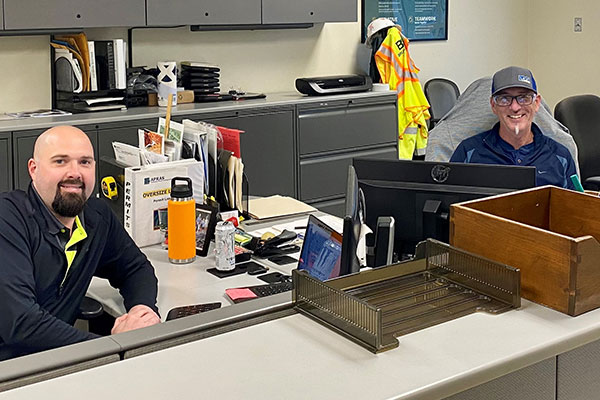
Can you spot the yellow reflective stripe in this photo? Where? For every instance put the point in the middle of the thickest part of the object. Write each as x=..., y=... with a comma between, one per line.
x=77, y=236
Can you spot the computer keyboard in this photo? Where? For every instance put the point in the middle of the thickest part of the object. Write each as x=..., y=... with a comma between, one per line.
x=272, y=288
x=184, y=311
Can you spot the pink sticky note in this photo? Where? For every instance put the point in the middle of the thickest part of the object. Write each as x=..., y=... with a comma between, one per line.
x=241, y=293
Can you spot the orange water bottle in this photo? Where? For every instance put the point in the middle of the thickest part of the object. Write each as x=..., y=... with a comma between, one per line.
x=182, y=222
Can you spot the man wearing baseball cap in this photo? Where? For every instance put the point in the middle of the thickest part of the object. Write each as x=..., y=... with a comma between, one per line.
x=515, y=139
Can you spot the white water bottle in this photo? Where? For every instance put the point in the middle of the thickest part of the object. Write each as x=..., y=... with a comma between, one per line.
x=224, y=241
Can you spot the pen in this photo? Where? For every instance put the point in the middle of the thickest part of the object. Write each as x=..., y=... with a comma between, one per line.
x=300, y=227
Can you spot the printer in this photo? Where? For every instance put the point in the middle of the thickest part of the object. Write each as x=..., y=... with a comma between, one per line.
x=335, y=84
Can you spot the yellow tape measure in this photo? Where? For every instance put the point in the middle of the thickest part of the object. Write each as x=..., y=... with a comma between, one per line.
x=109, y=187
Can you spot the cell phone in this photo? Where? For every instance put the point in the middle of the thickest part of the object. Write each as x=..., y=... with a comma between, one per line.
x=282, y=260
x=254, y=268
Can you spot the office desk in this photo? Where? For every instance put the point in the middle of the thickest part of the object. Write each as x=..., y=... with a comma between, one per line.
x=296, y=358
x=180, y=285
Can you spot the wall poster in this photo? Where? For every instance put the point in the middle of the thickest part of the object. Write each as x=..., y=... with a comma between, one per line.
x=419, y=19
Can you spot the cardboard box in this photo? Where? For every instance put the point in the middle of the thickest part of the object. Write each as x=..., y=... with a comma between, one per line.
x=551, y=234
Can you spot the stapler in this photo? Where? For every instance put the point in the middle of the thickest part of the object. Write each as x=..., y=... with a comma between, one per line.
x=274, y=246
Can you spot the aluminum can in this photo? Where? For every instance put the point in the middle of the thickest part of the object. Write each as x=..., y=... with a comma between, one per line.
x=224, y=241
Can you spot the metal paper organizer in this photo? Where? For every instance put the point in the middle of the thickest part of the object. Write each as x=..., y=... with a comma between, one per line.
x=374, y=307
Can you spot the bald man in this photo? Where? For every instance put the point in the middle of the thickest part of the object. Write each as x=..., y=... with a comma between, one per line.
x=53, y=240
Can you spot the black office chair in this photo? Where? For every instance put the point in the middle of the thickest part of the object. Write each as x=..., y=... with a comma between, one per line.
x=90, y=311
x=581, y=114
x=441, y=94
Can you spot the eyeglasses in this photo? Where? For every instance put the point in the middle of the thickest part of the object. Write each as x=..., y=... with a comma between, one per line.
x=504, y=100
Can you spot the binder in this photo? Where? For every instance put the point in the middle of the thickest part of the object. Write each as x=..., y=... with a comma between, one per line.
x=105, y=64
x=143, y=193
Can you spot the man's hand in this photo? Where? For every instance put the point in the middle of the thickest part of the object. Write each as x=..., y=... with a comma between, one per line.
x=138, y=316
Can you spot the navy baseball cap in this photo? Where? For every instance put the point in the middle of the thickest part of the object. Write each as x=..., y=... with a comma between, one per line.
x=510, y=77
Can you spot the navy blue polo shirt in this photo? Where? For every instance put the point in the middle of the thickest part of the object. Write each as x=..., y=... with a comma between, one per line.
x=552, y=160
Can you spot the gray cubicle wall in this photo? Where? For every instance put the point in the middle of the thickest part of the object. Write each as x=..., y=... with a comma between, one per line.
x=578, y=375
x=536, y=382
x=57, y=362
x=1, y=15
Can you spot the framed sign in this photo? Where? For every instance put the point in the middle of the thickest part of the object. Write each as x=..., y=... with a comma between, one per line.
x=419, y=19
x=206, y=219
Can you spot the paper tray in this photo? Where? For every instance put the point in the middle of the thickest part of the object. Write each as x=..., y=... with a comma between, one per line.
x=374, y=307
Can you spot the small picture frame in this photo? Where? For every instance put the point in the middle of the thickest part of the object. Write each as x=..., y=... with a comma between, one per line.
x=206, y=219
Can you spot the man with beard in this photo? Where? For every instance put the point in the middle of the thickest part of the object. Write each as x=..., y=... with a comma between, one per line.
x=53, y=240
x=516, y=139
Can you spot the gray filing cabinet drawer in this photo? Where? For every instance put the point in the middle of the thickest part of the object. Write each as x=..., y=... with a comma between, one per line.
x=119, y=132
x=333, y=207
x=35, y=14
x=348, y=126
x=6, y=179
x=203, y=12
x=308, y=11
x=326, y=177
x=23, y=142
x=267, y=146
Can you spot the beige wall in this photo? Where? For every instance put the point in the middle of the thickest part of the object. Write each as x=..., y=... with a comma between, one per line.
x=483, y=37
x=24, y=73
x=565, y=63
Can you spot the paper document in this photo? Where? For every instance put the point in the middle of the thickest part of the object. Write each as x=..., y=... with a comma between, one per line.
x=275, y=206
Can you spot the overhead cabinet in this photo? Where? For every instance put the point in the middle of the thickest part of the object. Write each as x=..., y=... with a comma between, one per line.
x=203, y=12
x=308, y=11
x=35, y=14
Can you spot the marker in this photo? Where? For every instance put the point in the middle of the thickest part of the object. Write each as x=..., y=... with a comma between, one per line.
x=576, y=183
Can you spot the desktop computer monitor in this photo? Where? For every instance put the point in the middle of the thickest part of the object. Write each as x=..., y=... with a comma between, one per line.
x=418, y=194
x=353, y=220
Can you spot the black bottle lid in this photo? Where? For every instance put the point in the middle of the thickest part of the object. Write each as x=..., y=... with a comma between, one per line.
x=181, y=191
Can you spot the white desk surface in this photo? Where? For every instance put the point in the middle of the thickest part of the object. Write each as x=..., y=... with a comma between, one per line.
x=296, y=358
x=180, y=285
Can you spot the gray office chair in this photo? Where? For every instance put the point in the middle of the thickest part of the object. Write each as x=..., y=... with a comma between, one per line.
x=441, y=94
x=581, y=114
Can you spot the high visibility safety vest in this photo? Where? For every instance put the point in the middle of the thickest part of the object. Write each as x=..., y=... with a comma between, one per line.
x=399, y=71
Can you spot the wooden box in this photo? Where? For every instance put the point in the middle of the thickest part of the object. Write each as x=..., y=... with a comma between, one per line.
x=551, y=234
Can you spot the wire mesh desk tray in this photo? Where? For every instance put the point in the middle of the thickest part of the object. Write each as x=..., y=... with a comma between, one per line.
x=373, y=308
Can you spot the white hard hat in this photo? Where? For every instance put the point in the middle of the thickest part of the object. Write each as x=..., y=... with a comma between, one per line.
x=376, y=25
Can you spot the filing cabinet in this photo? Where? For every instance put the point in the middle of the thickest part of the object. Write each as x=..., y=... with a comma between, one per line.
x=330, y=134
x=6, y=168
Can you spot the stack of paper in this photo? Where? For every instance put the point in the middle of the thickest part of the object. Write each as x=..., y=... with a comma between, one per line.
x=276, y=206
